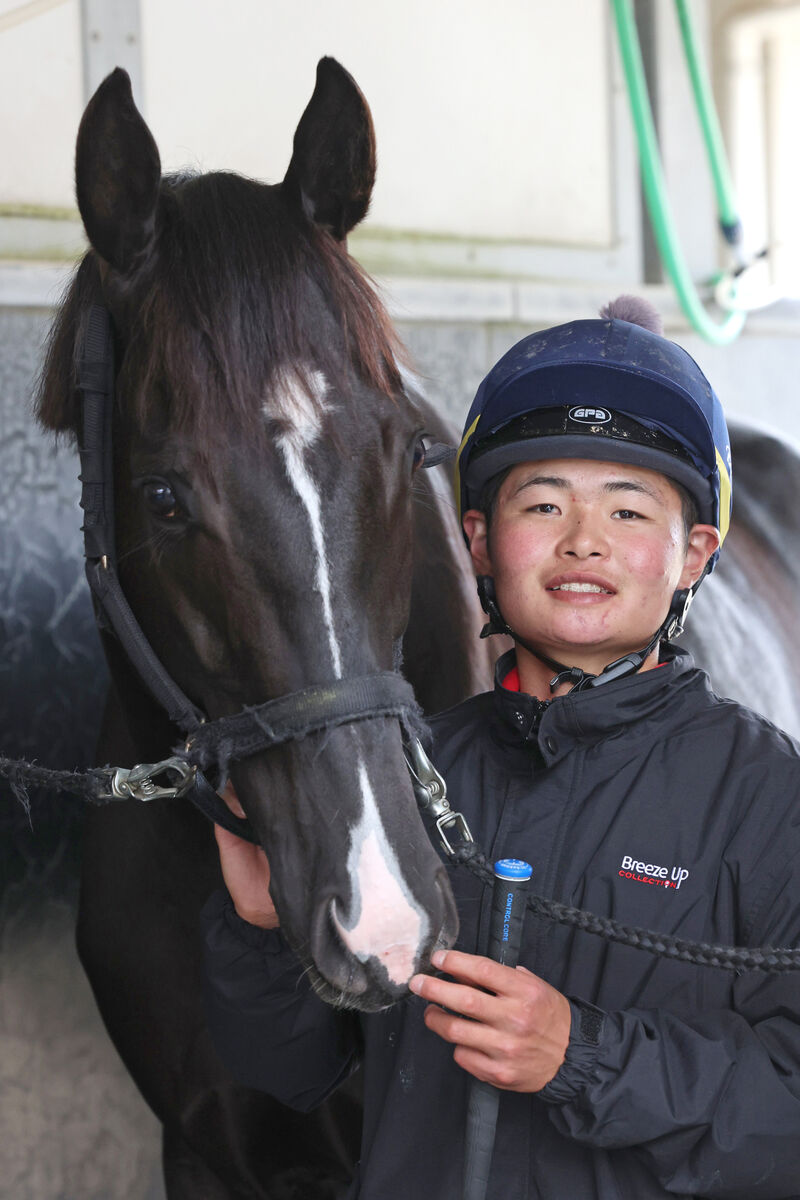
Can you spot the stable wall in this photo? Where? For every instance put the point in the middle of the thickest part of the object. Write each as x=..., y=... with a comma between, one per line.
x=461, y=100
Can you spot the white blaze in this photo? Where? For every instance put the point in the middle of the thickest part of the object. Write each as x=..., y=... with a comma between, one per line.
x=303, y=414
x=385, y=922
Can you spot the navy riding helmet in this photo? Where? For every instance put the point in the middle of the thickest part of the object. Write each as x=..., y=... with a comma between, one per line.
x=601, y=389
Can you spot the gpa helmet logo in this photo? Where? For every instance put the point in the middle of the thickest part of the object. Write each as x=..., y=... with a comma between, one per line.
x=589, y=416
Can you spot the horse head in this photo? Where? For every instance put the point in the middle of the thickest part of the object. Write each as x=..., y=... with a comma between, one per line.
x=264, y=457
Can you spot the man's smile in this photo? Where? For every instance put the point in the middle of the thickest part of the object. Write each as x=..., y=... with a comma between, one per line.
x=580, y=585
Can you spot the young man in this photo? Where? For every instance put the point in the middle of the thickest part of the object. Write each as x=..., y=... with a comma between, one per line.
x=595, y=490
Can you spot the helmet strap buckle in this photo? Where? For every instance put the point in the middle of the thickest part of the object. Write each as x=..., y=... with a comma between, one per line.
x=488, y=599
x=678, y=611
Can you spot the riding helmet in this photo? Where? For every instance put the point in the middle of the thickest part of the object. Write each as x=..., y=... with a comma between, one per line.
x=608, y=389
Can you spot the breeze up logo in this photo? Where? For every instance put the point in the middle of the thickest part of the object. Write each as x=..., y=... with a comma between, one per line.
x=641, y=872
x=589, y=416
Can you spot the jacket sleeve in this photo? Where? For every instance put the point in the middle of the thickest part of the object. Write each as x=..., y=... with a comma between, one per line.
x=710, y=1101
x=269, y=1027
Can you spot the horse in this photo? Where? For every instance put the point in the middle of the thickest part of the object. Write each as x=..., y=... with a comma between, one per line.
x=274, y=530
x=743, y=623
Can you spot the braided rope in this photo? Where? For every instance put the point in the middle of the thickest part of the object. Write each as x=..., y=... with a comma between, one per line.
x=21, y=775
x=664, y=945
x=90, y=786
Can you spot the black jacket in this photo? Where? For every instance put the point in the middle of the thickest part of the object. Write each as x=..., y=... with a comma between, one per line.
x=650, y=800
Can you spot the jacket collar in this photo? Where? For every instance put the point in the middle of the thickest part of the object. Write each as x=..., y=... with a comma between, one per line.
x=597, y=713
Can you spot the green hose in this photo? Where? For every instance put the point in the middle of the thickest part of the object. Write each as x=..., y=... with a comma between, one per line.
x=666, y=234
x=709, y=123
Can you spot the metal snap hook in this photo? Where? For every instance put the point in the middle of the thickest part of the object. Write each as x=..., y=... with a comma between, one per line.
x=139, y=782
x=431, y=794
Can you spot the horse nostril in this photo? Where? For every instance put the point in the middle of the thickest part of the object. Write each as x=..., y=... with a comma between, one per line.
x=330, y=955
x=368, y=955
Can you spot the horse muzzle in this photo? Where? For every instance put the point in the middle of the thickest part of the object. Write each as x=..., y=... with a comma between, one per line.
x=367, y=957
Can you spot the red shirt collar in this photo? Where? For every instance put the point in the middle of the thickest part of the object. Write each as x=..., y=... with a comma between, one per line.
x=511, y=681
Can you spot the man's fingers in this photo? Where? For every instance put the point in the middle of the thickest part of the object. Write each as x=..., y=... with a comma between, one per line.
x=489, y=1070
x=479, y=972
x=232, y=800
x=508, y=1026
x=237, y=849
x=478, y=1005
x=460, y=1031
x=224, y=837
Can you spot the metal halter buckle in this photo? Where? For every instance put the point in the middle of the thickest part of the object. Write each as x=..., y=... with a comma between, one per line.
x=431, y=793
x=138, y=783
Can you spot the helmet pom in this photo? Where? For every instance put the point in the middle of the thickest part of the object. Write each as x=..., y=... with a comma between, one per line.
x=635, y=310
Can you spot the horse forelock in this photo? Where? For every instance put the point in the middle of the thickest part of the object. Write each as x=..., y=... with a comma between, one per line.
x=241, y=295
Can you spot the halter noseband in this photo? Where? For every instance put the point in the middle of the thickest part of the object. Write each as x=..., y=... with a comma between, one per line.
x=208, y=743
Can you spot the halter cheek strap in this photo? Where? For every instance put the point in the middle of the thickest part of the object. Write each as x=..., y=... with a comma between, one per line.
x=95, y=380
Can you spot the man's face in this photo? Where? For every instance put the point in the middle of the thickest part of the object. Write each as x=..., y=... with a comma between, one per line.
x=586, y=555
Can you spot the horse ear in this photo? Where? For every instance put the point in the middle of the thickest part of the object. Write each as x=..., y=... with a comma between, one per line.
x=117, y=175
x=332, y=171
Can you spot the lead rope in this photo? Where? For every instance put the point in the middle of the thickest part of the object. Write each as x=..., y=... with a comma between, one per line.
x=104, y=784
x=456, y=840
x=167, y=780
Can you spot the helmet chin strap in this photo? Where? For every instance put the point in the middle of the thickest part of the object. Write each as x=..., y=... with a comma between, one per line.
x=671, y=627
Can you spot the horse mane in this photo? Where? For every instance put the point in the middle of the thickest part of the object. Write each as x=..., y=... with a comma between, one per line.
x=238, y=295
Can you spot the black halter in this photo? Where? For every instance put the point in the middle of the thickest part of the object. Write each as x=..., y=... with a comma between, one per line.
x=207, y=743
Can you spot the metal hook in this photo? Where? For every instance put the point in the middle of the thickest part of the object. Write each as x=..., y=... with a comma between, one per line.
x=138, y=783
x=431, y=793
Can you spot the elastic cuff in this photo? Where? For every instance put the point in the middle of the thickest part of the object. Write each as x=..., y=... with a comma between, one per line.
x=268, y=941
x=221, y=906
x=577, y=1069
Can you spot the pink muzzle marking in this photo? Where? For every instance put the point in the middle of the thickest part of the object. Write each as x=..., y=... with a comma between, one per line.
x=389, y=928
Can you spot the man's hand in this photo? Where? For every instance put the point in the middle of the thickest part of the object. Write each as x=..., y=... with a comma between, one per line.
x=516, y=1030
x=246, y=872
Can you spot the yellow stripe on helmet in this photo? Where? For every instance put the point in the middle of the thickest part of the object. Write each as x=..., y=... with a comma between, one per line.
x=457, y=476
x=724, y=497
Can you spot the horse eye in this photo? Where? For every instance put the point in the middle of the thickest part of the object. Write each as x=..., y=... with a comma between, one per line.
x=160, y=499
x=419, y=455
